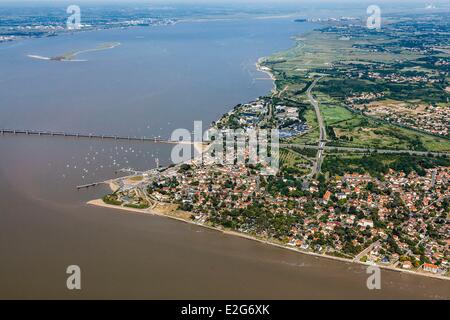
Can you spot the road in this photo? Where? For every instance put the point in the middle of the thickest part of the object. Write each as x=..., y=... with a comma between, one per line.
x=366, y=251
x=367, y=150
x=322, y=132
x=321, y=147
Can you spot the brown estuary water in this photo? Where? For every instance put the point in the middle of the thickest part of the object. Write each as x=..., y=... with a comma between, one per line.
x=157, y=80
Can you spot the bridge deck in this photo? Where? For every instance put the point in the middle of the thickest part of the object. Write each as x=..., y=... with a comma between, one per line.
x=83, y=135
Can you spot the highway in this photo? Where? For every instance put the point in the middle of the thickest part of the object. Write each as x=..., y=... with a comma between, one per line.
x=365, y=150
x=322, y=147
x=322, y=132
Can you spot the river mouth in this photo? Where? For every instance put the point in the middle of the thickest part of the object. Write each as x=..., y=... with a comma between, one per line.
x=156, y=81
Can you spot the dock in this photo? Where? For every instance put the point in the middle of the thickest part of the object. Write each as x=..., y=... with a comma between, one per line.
x=87, y=186
x=82, y=135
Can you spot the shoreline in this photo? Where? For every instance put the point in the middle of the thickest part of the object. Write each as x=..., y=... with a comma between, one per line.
x=100, y=203
x=267, y=71
x=149, y=211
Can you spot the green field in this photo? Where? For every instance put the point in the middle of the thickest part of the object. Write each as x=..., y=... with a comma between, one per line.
x=334, y=114
x=366, y=132
x=312, y=136
x=293, y=162
x=327, y=52
x=378, y=165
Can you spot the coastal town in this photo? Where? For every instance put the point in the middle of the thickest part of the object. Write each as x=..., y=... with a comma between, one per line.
x=262, y=114
x=18, y=26
x=397, y=221
x=363, y=174
x=211, y=153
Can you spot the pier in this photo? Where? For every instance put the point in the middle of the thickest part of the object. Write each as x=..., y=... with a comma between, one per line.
x=83, y=135
x=87, y=186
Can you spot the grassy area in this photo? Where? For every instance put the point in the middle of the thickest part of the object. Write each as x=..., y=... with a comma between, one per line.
x=378, y=164
x=294, y=163
x=348, y=129
x=312, y=136
x=137, y=206
x=360, y=132
x=112, y=200
x=305, y=152
x=136, y=178
x=334, y=114
x=327, y=52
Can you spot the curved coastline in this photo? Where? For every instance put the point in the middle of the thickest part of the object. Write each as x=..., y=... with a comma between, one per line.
x=100, y=203
x=267, y=71
x=260, y=68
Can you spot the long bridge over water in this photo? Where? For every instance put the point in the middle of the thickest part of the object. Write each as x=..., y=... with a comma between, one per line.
x=83, y=135
x=93, y=136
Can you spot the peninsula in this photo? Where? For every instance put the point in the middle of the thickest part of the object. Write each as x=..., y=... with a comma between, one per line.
x=364, y=154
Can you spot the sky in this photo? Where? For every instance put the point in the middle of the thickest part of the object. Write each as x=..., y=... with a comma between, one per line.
x=231, y=1
x=222, y=2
